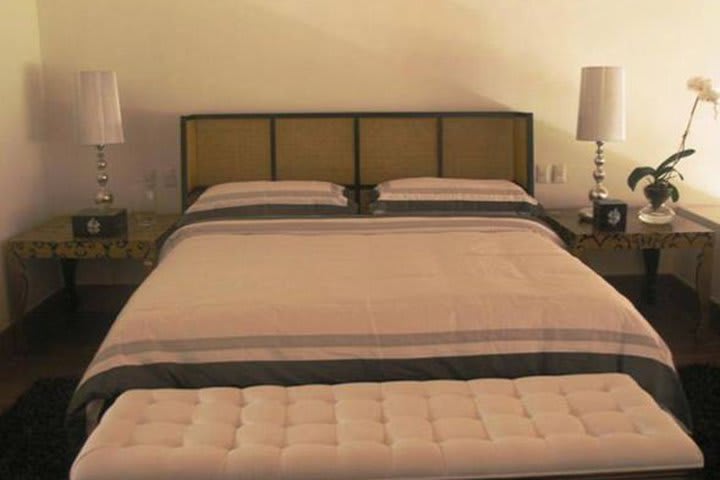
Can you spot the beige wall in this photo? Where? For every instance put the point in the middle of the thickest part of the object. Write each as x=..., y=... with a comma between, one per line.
x=22, y=173
x=176, y=57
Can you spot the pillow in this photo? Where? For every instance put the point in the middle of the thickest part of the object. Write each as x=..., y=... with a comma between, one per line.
x=432, y=188
x=424, y=195
x=285, y=192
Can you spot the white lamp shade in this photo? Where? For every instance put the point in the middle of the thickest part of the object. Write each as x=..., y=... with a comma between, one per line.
x=601, y=114
x=99, y=118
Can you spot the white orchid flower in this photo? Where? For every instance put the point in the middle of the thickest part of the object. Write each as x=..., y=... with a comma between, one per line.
x=666, y=171
x=699, y=84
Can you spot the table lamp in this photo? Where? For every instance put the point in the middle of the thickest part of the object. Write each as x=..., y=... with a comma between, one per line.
x=601, y=118
x=99, y=124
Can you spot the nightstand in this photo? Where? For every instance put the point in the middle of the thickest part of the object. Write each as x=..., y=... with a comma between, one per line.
x=651, y=239
x=54, y=240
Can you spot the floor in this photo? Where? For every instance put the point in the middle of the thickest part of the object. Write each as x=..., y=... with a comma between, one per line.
x=675, y=315
x=62, y=344
x=59, y=343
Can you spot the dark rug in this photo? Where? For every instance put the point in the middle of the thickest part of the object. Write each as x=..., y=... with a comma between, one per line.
x=33, y=441
x=34, y=446
x=702, y=387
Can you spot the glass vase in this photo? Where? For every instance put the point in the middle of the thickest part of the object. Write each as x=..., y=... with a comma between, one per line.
x=657, y=212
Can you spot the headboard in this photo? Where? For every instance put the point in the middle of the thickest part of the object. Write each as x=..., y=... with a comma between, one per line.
x=357, y=150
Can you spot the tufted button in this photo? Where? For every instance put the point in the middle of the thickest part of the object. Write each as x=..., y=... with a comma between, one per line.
x=360, y=431
x=539, y=403
x=396, y=405
x=554, y=423
x=359, y=409
x=311, y=433
x=455, y=428
x=606, y=423
x=210, y=435
x=310, y=411
x=493, y=404
x=584, y=402
x=357, y=391
x=260, y=434
x=452, y=406
x=409, y=428
x=217, y=412
x=270, y=411
x=171, y=411
x=323, y=393
x=503, y=425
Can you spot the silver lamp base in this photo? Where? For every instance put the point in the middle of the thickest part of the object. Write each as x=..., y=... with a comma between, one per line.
x=103, y=197
x=598, y=191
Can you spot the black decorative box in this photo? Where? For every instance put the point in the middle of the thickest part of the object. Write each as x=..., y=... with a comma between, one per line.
x=100, y=223
x=609, y=215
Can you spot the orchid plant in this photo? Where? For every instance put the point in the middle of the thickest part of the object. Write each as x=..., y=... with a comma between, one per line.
x=662, y=175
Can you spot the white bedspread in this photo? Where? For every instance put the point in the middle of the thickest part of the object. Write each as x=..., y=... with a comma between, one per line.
x=380, y=288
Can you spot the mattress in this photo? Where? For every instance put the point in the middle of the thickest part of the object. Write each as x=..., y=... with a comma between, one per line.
x=334, y=300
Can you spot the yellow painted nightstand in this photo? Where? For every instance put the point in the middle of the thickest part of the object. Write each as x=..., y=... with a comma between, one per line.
x=54, y=240
x=683, y=232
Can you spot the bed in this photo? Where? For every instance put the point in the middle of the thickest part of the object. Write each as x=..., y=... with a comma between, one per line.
x=287, y=299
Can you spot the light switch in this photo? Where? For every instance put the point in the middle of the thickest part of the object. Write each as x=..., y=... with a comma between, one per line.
x=542, y=173
x=559, y=173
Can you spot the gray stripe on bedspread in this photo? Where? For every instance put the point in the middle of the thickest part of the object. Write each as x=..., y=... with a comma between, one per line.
x=658, y=379
x=439, y=224
x=455, y=207
x=286, y=226
x=383, y=341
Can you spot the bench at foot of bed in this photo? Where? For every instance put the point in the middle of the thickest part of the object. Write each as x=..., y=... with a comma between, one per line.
x=599, y=425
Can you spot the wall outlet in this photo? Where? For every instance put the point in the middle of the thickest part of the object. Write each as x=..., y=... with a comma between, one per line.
x=559, y=173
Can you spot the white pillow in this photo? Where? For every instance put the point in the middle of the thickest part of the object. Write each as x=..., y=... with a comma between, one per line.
x=452, y=189
x=276, y=186
x=266, y=192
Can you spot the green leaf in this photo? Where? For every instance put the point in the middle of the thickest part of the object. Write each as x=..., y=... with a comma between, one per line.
x=674, y=193
x=661, y=172
x=638, y=174
x=675, y=157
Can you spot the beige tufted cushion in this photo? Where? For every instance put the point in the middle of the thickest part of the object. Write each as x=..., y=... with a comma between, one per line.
x=601, y=423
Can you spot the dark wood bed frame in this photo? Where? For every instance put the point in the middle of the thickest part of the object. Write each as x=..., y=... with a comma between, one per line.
x=357, y=150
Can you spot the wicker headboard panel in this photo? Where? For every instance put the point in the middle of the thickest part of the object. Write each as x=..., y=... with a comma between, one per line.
x=358, y=150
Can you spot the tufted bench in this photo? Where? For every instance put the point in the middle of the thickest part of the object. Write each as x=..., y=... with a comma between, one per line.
x=487, y=428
